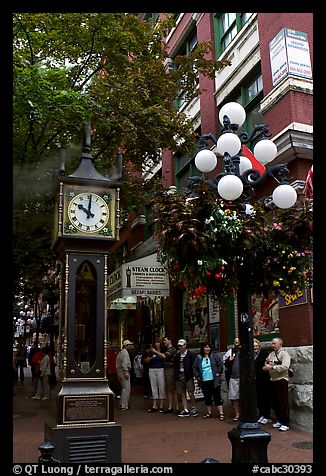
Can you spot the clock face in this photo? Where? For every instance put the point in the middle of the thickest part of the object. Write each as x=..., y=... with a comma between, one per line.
x=88, y=212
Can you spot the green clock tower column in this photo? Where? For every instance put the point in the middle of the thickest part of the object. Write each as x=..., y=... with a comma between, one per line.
x=86, y=223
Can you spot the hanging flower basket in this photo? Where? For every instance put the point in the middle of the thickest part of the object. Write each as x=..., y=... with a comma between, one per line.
x=205, y=243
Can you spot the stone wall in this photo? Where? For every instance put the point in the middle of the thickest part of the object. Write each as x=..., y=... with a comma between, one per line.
x=300, y=388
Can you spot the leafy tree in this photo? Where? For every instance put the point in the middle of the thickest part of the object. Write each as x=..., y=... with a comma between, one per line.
x=106, y=68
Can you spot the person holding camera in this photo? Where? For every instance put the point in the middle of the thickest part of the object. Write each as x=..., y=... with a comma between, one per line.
x=278, y=364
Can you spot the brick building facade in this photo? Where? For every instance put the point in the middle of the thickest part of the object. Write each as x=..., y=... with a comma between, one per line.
x=286, y=106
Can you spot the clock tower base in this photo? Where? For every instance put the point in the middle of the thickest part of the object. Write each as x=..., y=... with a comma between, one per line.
x=84, y=430
x=85, y=443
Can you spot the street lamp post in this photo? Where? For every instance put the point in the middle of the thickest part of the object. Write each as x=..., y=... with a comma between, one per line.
x=237, y=182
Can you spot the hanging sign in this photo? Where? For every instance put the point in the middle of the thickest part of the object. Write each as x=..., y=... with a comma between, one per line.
x=145, y=277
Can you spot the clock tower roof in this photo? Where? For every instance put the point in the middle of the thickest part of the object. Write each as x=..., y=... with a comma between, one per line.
x=86, y=169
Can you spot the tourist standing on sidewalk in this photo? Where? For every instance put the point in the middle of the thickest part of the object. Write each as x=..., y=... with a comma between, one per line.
x=227, y=362
x=36, y=360
x=208, y=369
x=277, y=364
x=14, y=366
x=263, y=385
x=43, y=387
x=184, y=375
x=123, y=365
x=111, y=371
x=155, y=360
x=32, y=352
x=21, y=356
x=170, y=355
x=146, y=381
x=232, y=364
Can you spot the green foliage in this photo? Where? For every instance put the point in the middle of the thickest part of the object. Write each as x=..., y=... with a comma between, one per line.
x=105, y=68
x=206, y=244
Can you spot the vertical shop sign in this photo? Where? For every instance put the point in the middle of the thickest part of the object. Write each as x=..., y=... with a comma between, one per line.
x=213, y=310
x=289, y=54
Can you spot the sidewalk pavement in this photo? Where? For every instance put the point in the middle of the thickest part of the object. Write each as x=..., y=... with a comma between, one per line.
x=153, y=437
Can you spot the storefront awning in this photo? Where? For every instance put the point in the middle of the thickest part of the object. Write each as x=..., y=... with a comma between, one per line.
x=144, y=277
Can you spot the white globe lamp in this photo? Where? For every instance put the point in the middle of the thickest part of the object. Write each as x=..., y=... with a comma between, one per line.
x=234, y=111
x=230, y=187
x=265, y=151
x=284, y=196
x=205, y=160
x=245, y=164
x=228, y=142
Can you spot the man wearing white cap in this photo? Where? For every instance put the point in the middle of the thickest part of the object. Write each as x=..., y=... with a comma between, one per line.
x=123, y=373
x=185, y=378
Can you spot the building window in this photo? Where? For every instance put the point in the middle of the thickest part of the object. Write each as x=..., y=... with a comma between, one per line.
x=152, y=16
x=249, y=94
x=227, y=25
x=228, y=28
x=176, y=16
x=186, y=49
x=244, y=17
x=255, y=87
x=184, y=166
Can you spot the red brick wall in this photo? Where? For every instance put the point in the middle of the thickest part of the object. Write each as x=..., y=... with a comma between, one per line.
x=208, y=110
x=296, y=325
x=179, y=30
x=293, y=107
x=168, y=177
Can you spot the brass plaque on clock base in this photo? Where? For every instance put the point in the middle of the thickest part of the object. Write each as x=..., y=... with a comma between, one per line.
x=88, y=402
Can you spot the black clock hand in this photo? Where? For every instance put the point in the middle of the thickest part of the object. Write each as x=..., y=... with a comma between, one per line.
x=88, y=213
x=90, y=204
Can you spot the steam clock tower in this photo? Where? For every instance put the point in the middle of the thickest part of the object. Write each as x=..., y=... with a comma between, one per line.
x=86, y=222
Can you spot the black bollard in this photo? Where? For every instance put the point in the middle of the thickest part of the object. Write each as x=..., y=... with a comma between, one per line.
x=209, y=460
x=46, y=449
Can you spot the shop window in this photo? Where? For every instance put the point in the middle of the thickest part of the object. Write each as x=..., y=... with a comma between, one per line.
x=265, y=315
x=195, y=320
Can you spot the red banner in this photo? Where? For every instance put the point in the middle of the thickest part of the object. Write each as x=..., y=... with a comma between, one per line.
x=255, y=163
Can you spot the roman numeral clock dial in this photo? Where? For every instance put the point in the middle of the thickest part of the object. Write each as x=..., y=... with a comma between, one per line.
x=89, y=213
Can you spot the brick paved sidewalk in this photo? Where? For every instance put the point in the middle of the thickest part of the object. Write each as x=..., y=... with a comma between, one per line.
x=153, y=437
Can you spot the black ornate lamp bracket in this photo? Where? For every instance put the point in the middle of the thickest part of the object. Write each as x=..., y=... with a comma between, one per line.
x=251, y=178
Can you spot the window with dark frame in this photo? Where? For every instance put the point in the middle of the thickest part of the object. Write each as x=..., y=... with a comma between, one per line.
x=184, y=166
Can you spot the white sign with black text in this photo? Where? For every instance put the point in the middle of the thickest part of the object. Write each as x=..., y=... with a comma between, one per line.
x=289, y=54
